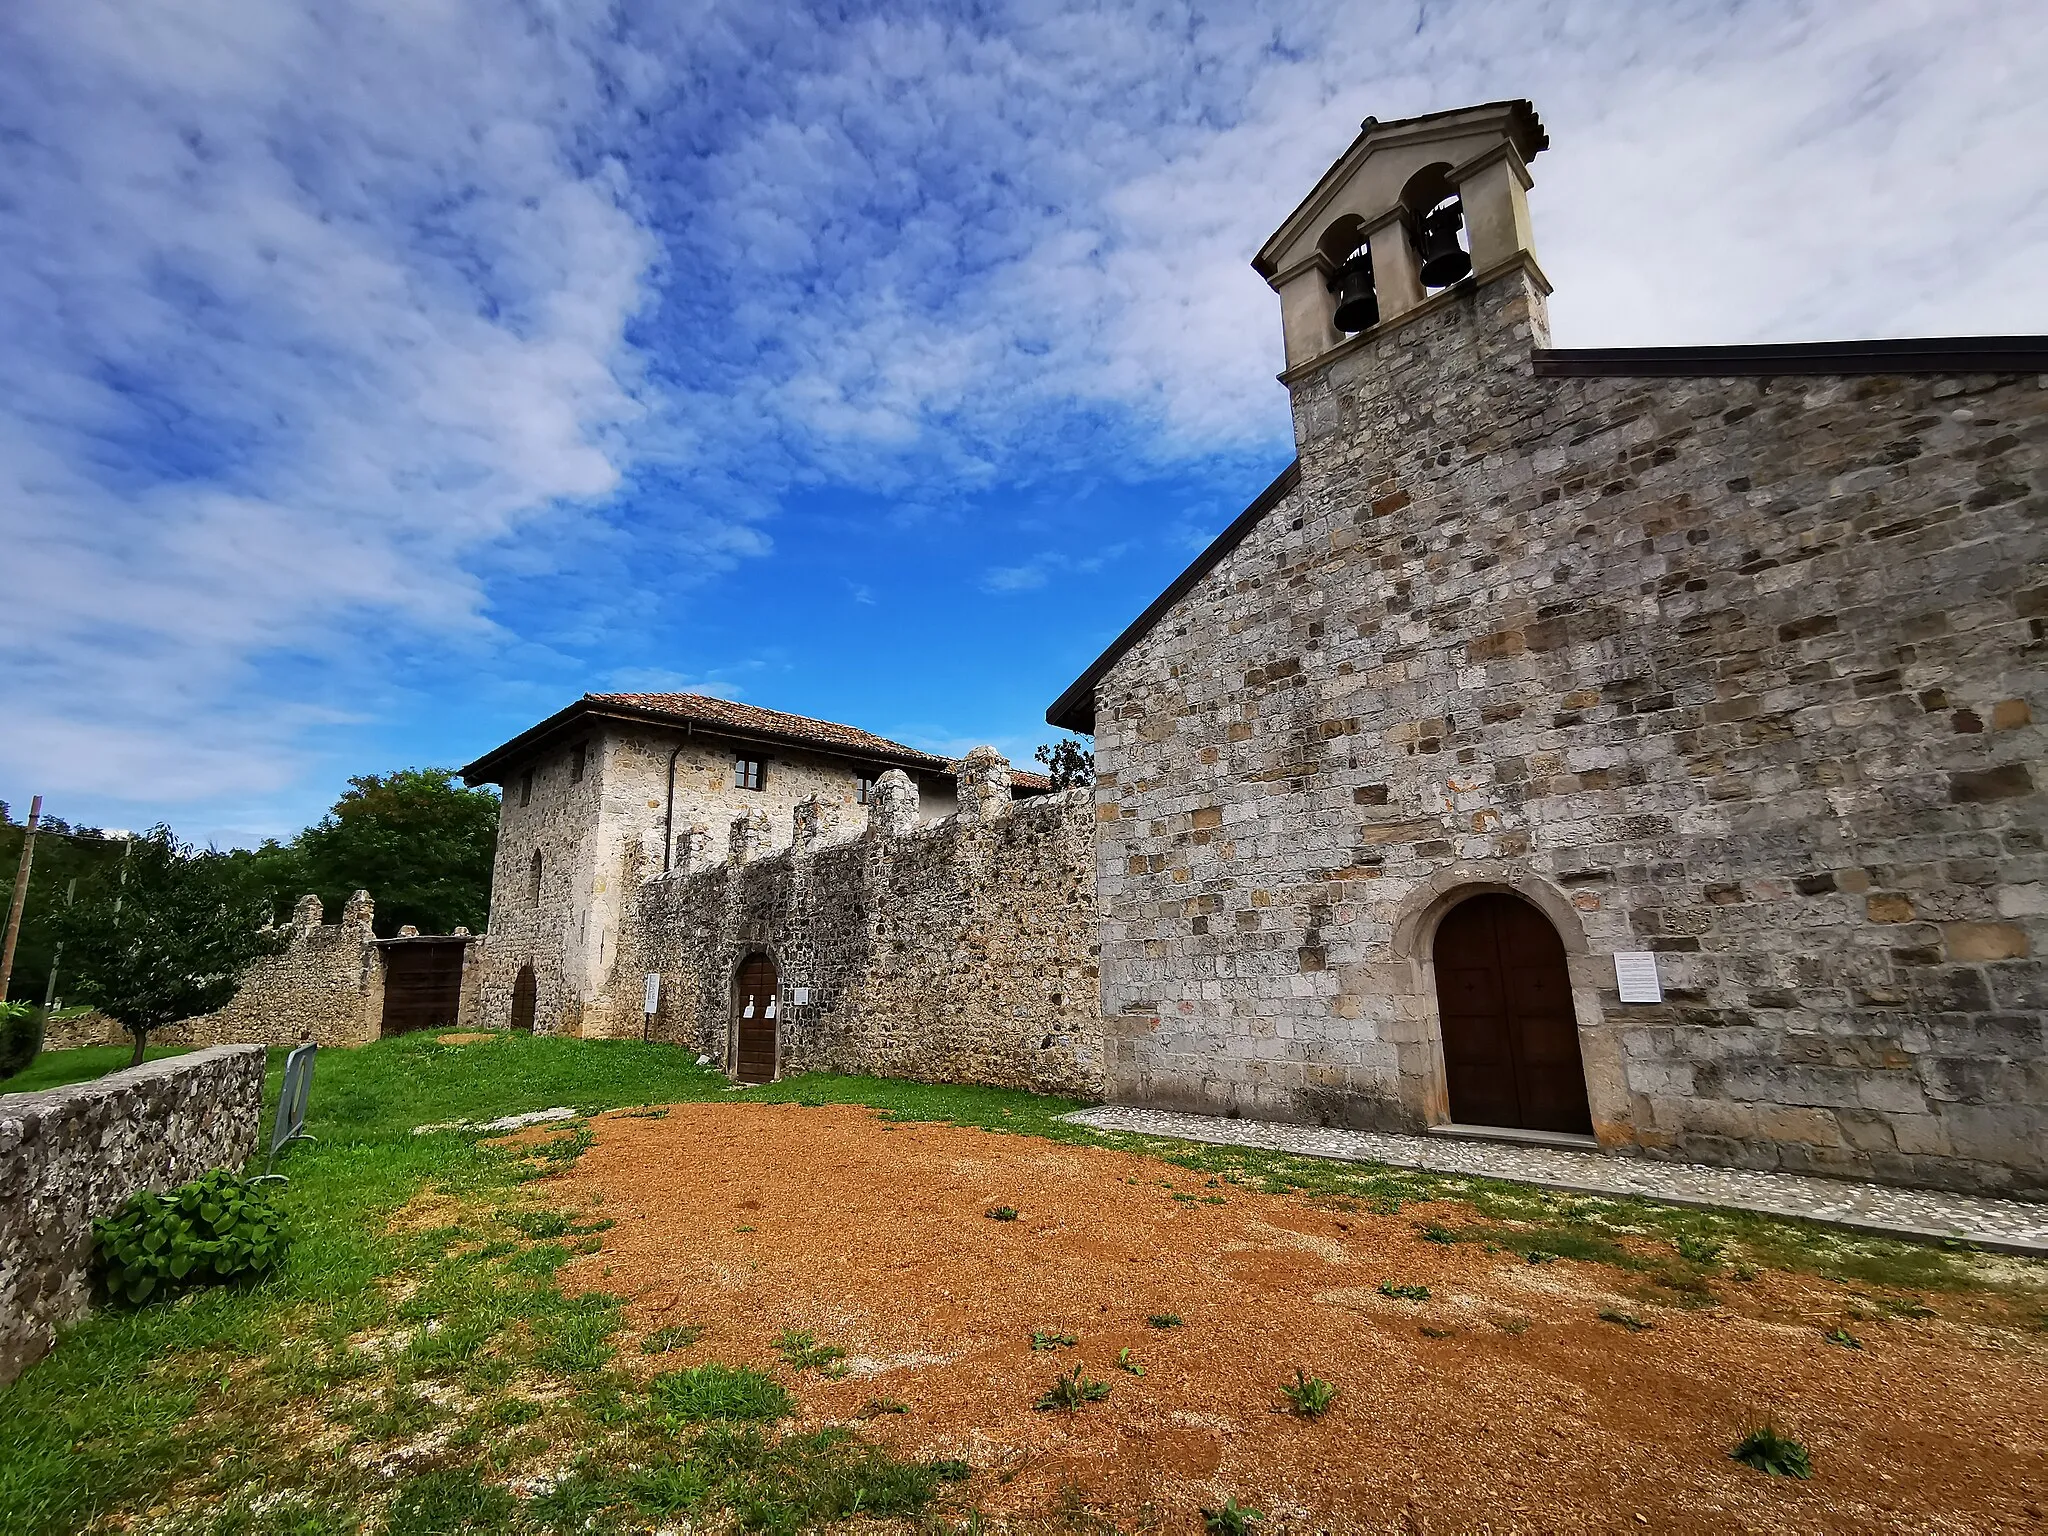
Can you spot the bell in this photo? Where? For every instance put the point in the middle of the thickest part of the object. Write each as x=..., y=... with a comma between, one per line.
x=1358, y=307
x=1443, y=260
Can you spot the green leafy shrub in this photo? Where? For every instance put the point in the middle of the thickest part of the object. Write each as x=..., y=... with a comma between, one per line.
x=1166, y=1320
x=1309, y=1396
x=1046, y=1339
x=21, y=1037
x=1843, y=1338
x=1001, y=1213
x=215, y=1229
x=1769, y=1449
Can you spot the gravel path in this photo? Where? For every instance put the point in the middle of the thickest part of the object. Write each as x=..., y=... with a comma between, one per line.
x=2006, y=1226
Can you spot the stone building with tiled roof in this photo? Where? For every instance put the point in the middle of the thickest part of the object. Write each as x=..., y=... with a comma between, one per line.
x=605, y=792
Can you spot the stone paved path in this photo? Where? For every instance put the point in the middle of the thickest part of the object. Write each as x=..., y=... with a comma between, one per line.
x=2007, y=1226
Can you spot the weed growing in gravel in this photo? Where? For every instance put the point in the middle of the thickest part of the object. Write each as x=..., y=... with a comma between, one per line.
x=1125, y=1361
x=674, y=1336
x=1404, y=1292
x=1626, y=1320
x=800, y=1348
x=1696, y=1248
x=713, y=1393
x=1843, y=1337
x=1768, y=1449
x=1435, y=1232
x=1513, y=1327
x=1001, y=1213
x=875, y=1407
x=1309, y=1396
x=1540, y=1256
x=1045, y=1339
x=1230, y=1518
x=1070, y=1392
x=1165, y=1320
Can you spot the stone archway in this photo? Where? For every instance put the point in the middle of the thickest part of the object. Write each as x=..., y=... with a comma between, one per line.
x=1406, y=985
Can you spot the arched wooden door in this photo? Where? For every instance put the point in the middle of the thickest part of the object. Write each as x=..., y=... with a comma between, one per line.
x=1511, y=1040
x=754, y=1007
x=523, y=998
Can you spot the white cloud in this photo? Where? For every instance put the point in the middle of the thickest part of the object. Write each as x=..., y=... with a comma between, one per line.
x=326, y=325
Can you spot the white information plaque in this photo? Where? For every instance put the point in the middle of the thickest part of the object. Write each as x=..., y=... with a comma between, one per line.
x=1635, y=973
x=653, y=993
x=799, y=995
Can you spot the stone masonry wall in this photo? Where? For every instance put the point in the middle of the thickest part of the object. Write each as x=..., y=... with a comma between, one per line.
x=597, y=835
x=327, y=985
x=73, y=1155
x=1746, y=672
x=956, y=952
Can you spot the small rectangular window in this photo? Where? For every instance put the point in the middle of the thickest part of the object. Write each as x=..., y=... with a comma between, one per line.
x=577, y=756
x=526, y=787
x=746, y=773
x=864, y=788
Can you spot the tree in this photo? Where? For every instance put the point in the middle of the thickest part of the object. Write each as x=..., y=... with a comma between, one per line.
x=1069, y=764
x=162, y=935
x=416, y=839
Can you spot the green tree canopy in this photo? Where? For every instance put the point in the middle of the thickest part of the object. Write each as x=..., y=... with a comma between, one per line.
x=417, y=840
x=1067, y=763
x=162, y=934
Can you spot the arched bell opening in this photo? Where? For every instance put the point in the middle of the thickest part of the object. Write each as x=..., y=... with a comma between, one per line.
x=1509, y=1028
x=1343, y=246
x=1436, y=220
x=756, y=1000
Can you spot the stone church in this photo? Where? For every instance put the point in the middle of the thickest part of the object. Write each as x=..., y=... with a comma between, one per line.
x=1635, y=745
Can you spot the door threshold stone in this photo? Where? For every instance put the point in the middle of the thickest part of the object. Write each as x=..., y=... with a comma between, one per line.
x=1516, y=1136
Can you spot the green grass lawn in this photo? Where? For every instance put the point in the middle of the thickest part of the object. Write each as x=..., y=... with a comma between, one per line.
x=54, y=1069
x=268, y=1408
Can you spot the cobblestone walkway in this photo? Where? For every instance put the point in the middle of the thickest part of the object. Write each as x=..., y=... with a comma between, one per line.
x=2008, y=1226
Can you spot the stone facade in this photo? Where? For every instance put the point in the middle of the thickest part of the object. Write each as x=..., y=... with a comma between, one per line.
x=597, y=832
x=1747, y=672
x=73, y=1155
x=326, y=985
x=961, y=951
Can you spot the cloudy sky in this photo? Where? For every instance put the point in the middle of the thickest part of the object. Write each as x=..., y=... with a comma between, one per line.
x=377, y=377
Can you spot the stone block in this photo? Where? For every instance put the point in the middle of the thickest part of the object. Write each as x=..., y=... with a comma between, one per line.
x=1984, y=941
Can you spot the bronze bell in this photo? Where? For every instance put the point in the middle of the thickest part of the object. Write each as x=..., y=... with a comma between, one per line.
x=1443, y=260
x=1358, y=307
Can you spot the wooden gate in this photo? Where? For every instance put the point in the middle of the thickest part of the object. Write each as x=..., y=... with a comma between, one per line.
x=754, y=1007
x=422, y=983
x=1511, y=1039
x=524, y=997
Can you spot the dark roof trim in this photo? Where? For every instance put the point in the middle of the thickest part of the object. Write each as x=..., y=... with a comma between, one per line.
x=1929, y=354
x=1074, y=710
x=486, y=769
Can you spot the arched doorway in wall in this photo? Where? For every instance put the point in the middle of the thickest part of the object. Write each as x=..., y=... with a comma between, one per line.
x=1510, y=1035
x=754, y=1006
x=523, y=999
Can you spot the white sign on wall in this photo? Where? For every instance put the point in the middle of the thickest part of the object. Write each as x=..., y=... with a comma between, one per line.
x=653, y=993
x=799, y=995
x=1635, y=974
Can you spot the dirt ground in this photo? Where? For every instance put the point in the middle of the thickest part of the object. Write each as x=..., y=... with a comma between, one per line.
x=1502, y=1403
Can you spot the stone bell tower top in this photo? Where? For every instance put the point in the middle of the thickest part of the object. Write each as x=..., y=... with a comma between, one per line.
x=1411, y=207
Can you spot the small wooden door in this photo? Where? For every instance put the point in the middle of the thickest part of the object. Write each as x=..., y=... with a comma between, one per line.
x=422, y=983
x=1511, y=1039
x=524, y=1000
x=755, y=1003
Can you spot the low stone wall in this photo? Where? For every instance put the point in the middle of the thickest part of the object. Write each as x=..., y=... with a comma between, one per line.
x=72, y=1155
x=957, y=952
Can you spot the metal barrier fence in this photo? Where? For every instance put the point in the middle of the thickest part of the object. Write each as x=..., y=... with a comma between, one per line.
x=290, y=1125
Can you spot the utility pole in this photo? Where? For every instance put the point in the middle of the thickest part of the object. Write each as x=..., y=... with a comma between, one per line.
x=28, y=853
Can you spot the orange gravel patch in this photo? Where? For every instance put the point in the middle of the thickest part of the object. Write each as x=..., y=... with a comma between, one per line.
x=1502, y=1403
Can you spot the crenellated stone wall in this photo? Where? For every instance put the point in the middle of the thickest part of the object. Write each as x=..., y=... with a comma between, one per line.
x=961, y=951
x=72, y=1155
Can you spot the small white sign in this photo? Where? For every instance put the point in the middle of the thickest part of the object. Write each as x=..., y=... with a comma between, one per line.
x=653, y=993
x=1635, y=974
x=799, y=995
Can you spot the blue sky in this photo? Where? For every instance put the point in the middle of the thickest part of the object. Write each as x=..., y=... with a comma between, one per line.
x=376, y=378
